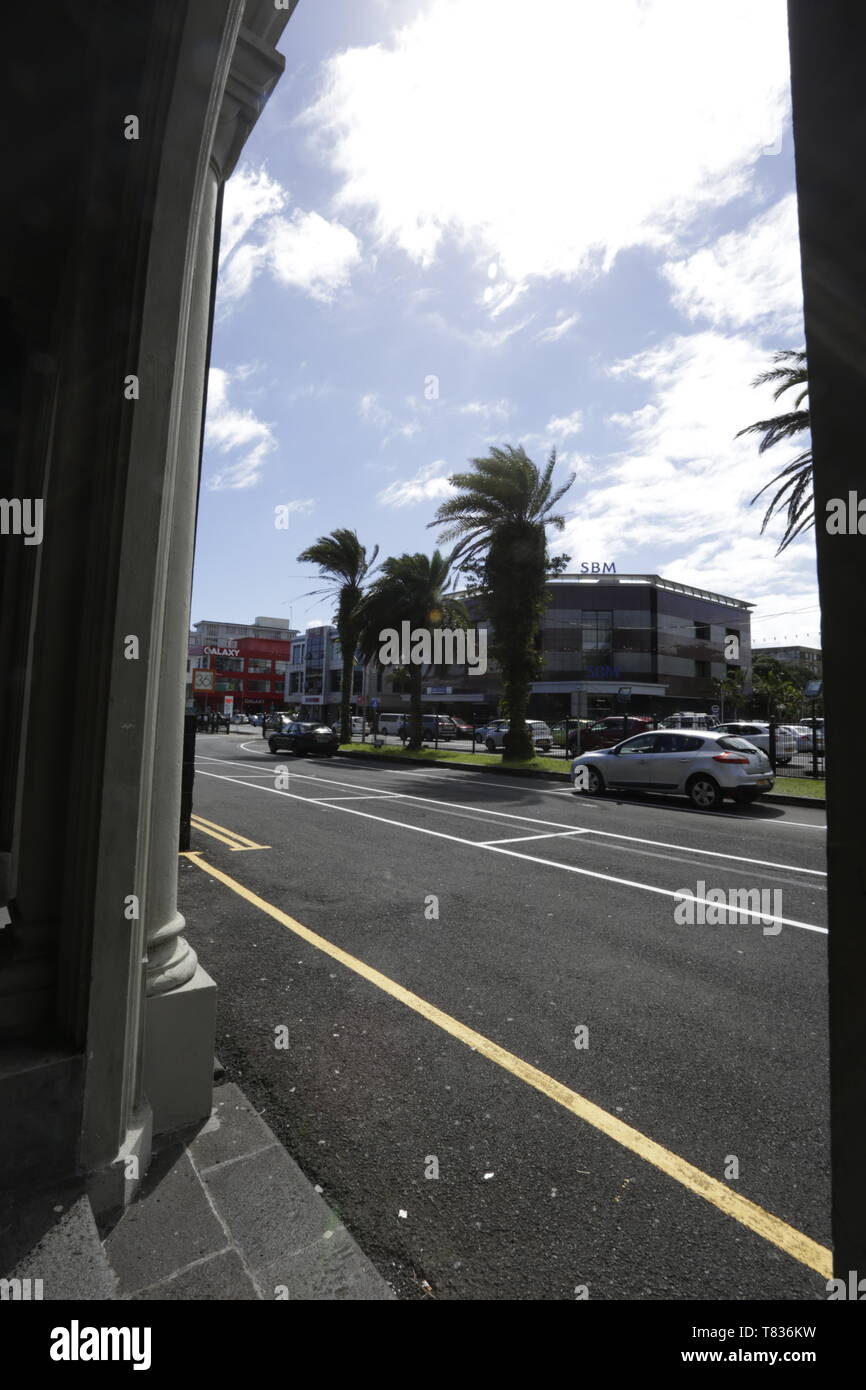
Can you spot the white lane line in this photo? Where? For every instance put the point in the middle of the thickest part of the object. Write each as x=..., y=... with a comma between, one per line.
x=551, y=835
x=364, y=796
x=541, y=790
x=515, y=854
x=459, y=809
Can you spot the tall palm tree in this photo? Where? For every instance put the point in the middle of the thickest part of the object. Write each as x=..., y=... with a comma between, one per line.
x=343, y=559
x=410, y=588
x=499, y=517
x=795, y=494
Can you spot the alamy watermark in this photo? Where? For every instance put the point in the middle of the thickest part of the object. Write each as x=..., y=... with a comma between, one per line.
x=713, y=907
x=22, y=516
x=444, y=646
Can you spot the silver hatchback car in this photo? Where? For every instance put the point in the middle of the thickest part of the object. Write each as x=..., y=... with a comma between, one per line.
x=704, y=765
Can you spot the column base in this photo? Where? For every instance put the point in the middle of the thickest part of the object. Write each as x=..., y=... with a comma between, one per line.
x=179, y=1036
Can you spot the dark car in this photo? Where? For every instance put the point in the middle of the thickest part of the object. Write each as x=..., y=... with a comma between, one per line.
x=464, y=730
x=447, y=728
x=607, y=732
x=301, y=739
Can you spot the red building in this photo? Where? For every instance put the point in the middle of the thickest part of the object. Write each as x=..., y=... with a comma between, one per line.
x=250, y=672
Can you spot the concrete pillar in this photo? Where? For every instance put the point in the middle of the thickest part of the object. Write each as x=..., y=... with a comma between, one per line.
x=180, y=1008
x=180, y=1012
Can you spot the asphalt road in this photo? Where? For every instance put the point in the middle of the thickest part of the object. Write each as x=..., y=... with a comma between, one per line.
x=517, y=914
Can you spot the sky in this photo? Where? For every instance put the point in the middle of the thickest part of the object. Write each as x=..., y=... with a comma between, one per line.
x=465, y=223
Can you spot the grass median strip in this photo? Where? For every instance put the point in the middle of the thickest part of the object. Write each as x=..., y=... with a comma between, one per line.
x=785, y=786
x=770, y=1228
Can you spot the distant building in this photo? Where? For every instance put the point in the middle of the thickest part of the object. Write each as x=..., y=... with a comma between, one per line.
x=246, y=662
x=800, y=656
x=314, y=674
x=667, y=644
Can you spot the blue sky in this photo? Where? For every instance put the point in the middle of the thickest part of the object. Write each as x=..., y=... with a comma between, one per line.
x=470, y=222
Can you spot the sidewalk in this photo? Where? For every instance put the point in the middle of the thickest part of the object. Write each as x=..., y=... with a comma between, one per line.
x=225, y=1214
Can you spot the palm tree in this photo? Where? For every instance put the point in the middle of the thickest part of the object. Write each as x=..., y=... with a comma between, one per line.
x=733, y=684
x=795, y=494
x=343, y=559
x=410, y=588
x=499, y=516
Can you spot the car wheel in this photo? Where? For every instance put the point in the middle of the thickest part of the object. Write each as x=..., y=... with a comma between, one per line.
x=743, y=798
x=490, y=745
x=782, y=762
x=273, y=747
x=594, y=783
x=298, y=752
x=704, y=793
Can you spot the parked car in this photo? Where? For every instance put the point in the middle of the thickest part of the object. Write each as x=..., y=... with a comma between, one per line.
x=302, y=738
x=359, y=727
x=566, y=734
x=706, y=765
x=391, y=723
x=613, y=729
x=464, y=730
x=494, y=739
x=803, y=735
x=690, y=719
x=447, y=729
x=758, y=733
x=490, y=729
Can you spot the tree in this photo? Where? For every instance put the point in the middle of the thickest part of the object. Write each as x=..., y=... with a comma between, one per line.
x=410, y=588
x=795, y=494
x=343, y=559
x=499, y=517
x=772, y=685
x=733, y=685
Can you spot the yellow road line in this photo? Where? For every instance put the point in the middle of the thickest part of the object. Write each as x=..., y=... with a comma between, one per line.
x=228, y=837
x=793, y=1242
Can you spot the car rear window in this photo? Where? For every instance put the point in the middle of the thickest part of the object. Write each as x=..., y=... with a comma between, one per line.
x=737, y=744
x=678, y=743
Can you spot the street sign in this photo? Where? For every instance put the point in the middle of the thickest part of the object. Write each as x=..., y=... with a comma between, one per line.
x=374, y=704
x=715, y=709
x=228, y=704
x=812, y=689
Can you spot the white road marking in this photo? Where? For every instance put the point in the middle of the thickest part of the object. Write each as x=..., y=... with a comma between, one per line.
x=364, y=796
x=551, y=835
x=528, y=858
x=542, y=790
x=560, y=825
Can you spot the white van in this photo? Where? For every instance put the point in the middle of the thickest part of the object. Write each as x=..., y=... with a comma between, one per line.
x=690, y=720
x=392, y=723
x=494, y=737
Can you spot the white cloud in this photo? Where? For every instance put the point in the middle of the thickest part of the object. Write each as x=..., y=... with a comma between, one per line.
x=746, y=278
x=250, y=195
x=675, y=500
x=429, y=483
x=311, y=254
x=384, y=420
x=614, y=124
x=303, y=251
x=555, y=331
x=229, y=430
x=487, y=410
x=563, y=425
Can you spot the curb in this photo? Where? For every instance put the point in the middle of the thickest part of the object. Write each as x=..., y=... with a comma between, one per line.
x=531, y=774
